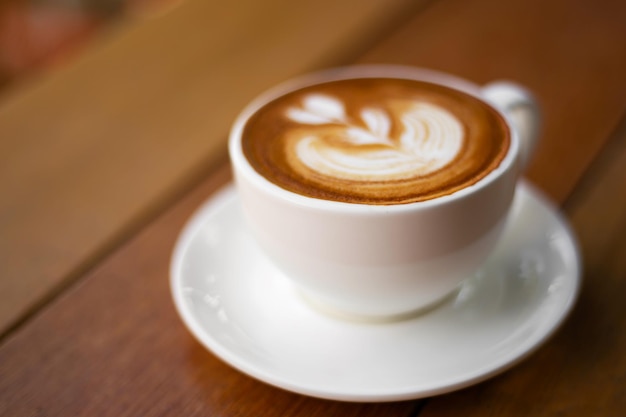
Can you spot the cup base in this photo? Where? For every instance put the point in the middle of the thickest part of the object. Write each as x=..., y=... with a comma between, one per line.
x=338, y=313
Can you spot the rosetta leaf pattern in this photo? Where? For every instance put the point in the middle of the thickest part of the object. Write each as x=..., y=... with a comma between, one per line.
x=426, y=138
x=318, y=109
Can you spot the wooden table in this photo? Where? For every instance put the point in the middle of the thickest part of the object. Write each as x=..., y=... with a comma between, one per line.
x=103, y=161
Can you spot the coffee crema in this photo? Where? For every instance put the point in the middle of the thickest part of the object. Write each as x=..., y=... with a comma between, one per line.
x=375, y=141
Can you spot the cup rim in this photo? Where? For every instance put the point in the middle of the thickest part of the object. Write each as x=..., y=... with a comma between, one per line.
x=242, y=165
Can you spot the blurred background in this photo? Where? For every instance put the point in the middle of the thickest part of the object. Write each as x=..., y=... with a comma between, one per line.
x=36, y=35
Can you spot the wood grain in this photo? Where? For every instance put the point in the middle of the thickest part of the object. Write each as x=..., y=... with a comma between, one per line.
x=88, y=152
x=571, y=54
x=114, y=346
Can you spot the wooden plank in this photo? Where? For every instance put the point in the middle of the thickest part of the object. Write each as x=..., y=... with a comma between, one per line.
x=114, y=346
x=89, y=151
x=582, y=371
x=570, y=53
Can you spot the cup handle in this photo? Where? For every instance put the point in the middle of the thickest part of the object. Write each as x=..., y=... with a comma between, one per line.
x=522, y=109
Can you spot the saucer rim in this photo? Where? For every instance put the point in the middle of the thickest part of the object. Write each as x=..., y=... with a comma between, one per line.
x=227, y=194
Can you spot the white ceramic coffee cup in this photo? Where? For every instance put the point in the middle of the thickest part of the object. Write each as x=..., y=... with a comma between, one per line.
x=376, y=261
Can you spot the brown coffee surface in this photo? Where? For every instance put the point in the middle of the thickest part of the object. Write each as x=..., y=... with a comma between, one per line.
x=375, y=141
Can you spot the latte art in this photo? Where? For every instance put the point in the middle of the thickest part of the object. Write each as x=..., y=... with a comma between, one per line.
x=375, y=140
x=331, y=144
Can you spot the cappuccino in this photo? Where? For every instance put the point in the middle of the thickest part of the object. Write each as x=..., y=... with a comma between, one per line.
x=378, y=141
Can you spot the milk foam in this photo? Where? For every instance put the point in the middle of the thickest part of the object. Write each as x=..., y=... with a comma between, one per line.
x=331, y=142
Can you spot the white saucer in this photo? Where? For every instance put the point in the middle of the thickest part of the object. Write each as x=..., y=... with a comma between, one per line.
x=238, y=306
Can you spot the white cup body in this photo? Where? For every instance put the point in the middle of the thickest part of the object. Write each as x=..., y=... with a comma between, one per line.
x=375, y=261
